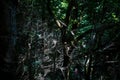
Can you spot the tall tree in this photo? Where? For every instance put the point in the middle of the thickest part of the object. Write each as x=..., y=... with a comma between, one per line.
x=7, y=39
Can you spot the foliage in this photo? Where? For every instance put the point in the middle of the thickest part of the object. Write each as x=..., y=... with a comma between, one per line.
x=69, y=39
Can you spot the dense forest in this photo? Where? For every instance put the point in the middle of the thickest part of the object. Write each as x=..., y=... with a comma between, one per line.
x=59, y=39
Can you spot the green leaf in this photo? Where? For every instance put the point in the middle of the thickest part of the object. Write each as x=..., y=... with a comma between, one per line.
x=64, y=5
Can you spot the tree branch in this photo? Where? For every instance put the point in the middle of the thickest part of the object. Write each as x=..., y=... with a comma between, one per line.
x=101, y=28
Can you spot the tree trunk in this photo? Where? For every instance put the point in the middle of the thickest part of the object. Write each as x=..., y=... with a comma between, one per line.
x=7, y=39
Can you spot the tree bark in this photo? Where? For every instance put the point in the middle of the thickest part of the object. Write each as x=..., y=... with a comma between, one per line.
x=7, y=39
